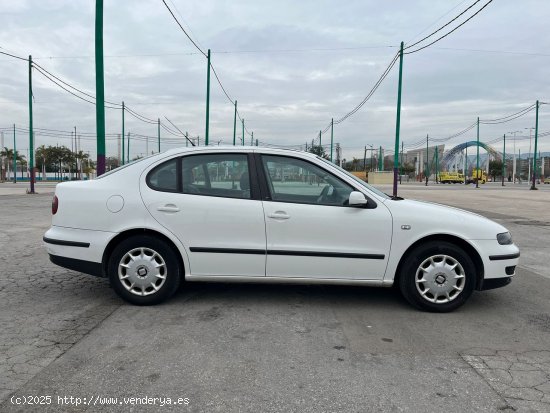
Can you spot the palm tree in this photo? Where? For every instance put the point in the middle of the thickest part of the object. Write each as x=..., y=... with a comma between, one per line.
x=80, y=157
x=8, y=153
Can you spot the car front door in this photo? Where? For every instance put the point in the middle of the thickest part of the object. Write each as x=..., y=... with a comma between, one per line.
x=311, y=232
x=208, y=202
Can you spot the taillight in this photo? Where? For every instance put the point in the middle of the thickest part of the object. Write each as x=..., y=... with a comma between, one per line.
x=55, y=204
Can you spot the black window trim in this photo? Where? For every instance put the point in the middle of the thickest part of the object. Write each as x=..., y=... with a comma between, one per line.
x=266, y=192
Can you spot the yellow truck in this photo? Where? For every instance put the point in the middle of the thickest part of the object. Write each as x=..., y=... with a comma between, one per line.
x=478, y=174
x=451, y=178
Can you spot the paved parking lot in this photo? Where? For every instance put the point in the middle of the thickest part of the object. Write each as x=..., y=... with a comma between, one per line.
x=254, y=348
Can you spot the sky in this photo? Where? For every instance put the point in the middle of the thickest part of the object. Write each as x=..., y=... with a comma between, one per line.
x=292, y=66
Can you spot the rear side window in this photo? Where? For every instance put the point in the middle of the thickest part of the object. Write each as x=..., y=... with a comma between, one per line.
x=224, y=175
x=164, y=177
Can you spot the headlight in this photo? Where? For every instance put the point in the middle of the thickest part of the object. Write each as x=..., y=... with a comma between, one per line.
x=504, y=239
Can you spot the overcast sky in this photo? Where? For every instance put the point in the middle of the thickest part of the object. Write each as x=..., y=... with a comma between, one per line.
x=292, y=65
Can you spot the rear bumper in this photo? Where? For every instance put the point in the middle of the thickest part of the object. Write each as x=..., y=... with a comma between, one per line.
x=87, y=267
x=77, y=244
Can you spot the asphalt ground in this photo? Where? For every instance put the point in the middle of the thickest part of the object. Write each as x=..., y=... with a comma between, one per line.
x=273, y=348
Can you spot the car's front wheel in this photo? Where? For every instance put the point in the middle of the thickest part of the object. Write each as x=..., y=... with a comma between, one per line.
x=144, y=270
x=437, y=276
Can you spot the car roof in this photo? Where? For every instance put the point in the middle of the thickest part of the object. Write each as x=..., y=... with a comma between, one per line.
x=237, y=148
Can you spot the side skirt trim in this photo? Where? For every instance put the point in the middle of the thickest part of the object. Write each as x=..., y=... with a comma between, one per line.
x=288, y=253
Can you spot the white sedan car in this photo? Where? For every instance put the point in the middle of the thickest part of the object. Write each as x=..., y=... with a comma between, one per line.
x=249, y=214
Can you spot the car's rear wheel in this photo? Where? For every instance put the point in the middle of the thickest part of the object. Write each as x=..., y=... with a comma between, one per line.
x=437, y=276
x=144, y=270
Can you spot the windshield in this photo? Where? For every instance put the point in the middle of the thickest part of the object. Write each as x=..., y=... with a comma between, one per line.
x=360, y=181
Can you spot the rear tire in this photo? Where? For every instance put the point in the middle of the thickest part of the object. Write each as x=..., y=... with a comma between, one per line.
x=437, y=276
x=144, y=270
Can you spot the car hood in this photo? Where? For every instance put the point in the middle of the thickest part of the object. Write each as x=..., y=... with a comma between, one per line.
x=443, y=218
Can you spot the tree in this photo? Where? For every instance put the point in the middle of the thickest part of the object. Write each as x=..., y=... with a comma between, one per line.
x=318, y=150
x=111, y=162
x=408, y=168
x=495, y=169
x=8, y=154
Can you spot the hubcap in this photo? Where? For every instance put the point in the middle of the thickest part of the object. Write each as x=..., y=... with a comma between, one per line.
x=440, y=279
x=142, y=271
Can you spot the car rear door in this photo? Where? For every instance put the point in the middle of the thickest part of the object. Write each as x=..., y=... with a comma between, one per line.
x=211, y=202
x=310, y=231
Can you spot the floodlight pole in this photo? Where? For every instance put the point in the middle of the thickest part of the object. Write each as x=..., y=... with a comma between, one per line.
x=100, y=88
x=477, y=160
x=235, y=125
x=206, y=135
x=536, y=141
x=31, y=133
x=398, y=123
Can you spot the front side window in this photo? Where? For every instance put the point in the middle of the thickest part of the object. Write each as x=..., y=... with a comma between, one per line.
x=224, y=175
x=298, y=181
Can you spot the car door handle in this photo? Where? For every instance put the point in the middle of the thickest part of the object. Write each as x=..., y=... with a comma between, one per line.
x=168, y=208
x=279, y=215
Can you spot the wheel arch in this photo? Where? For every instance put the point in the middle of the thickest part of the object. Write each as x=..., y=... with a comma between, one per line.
x=453, y=239
x=139, y=231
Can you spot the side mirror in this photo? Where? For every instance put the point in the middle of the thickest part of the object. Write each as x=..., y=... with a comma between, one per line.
x=357, y=199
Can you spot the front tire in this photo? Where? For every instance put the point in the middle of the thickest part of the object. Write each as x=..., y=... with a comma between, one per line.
x=144, y=270
x=437, y=276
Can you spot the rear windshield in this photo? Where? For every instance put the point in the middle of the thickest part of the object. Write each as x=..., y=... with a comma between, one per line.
x=120, y=168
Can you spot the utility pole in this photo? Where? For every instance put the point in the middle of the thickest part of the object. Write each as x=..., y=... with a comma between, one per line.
x=206, y=135
x=365, y=160
x=14, y=157
x=332, y=140
x=436, y=162
x=380, y=160
x=158, y=131
x=427, y=170
x=401, y=163
x=252, y=139
x=31, y=133
x=100, y=88
x=320, y=143
x=123, y=134
x=504, y=160
x=118, y=150
x=477, y=160
x=519, y=162
x=235, y=124
x=243, y=133
x=536, y=141
x=466, y=166
x=398, y=122
x=76, y=155
x=128, y=155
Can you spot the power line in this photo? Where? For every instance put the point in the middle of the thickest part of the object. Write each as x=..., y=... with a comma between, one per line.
x=14, y=56
x=509, y=118
x=432, y=24
x=181, y=27
x=38, y=67
x=369, y=95
x=442, y=27
x=453, y=30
